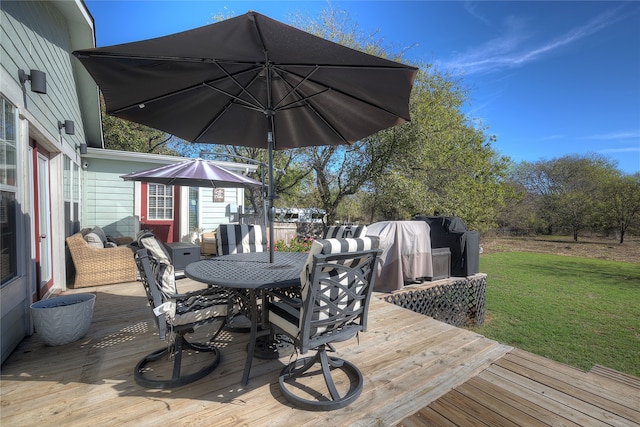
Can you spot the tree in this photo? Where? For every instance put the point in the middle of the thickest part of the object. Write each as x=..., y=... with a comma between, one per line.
x=290, y=176
x=446, y=162
x=123, y=135
x=442, y=160
x=568, y=188
x=342, y=172
x=621, y=202
x=439, y=160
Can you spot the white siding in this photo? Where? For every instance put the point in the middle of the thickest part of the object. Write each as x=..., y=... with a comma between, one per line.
x=213, y=213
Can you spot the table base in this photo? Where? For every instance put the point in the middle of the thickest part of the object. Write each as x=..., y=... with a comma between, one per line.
x=268, y=348
x=238, y=323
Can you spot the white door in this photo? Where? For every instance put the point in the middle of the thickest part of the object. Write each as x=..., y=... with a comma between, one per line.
x=44, y=221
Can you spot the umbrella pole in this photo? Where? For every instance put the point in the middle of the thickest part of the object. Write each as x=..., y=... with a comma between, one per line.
x=270, y=113
x=272, y=209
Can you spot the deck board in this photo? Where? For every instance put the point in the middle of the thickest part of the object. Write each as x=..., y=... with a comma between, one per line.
x=528, y=390
x=417, y=372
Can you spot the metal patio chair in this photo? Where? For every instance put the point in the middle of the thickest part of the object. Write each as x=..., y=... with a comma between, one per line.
x=345, y=231
x=337, y=283
x=175, y=315
x=235, y=239
x=240, y=238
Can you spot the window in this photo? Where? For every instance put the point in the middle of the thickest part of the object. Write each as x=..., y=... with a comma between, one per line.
x=160, y=202
x=8, y=192
x=193, y=208
x=71, y=197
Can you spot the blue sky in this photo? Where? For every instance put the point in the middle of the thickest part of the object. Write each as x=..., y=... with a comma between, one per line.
x=548, y=78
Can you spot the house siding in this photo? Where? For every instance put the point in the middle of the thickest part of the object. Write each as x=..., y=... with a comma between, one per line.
x=114, y=204
x=35, y=36
x=40, y=35
x=109, y=201
x=213, y=213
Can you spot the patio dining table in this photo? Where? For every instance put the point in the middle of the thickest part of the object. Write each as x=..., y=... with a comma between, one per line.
x=253, y=272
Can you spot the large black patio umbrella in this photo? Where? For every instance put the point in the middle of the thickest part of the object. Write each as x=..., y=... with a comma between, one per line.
x=252, y=81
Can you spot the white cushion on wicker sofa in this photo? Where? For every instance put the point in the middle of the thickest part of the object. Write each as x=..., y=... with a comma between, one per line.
x=93, y=240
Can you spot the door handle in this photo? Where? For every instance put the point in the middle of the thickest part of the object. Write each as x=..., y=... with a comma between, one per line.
x=43, y=236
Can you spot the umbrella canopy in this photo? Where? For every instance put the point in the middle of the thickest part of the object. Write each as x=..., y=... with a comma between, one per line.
x=216, y=84
x=252, y=81
x=193, y=173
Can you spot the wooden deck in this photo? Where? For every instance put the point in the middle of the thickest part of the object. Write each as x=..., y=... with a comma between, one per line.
x=522, y=389
x=417, y=371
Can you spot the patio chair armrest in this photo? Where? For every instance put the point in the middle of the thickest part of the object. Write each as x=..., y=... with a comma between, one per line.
x=286, y=299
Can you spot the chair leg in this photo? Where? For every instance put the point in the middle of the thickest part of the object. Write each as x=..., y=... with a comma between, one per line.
x=238, y=310
x=333, y=400
x=142, y=372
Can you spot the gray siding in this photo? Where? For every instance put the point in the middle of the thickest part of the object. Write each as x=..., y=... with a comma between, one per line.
x=109, y=201
x=35, y=36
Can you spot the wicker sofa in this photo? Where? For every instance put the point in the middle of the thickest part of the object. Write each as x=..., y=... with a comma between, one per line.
x=101, y=265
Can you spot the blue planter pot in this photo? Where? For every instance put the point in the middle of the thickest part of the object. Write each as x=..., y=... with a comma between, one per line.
x=65, y=319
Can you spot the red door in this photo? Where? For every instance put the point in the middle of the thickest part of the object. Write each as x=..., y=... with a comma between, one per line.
x=160, y=211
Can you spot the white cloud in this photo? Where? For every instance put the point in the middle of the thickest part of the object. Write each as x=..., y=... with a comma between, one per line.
x=615, y=135
x=621, y=150
x=509, y=51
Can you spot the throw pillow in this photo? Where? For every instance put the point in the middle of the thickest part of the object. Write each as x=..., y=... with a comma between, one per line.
x=100, y=232
x=94, y=240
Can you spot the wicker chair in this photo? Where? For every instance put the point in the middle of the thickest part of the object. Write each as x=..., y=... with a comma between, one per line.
x=100, y=266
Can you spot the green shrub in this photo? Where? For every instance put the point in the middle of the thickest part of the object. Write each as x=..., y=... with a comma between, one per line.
x=298, y=244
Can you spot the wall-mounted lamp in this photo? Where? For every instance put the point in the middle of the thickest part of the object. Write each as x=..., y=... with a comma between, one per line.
x=38, y=80
x=83, y=148
x=69, y=127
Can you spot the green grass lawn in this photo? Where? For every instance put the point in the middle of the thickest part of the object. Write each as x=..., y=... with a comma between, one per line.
x=577, y=311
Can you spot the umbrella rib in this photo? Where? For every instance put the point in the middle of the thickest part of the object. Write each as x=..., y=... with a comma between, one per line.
x=364, y=101
x=300, y=101
x=233, y=97
x=294, y=88
x=209, y=84
x=213, y=122
x=241, y=102
x=305, y=100
x=242, y=88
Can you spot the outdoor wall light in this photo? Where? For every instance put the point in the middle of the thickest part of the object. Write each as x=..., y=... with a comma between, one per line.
x=83, y=148
x=38, y=80
x=69, y=127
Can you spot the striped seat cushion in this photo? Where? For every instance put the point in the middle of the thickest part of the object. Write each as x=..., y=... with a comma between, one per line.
x=345, y=231
x=206, y=307
x=194, y=309
x=241, y=238
x=287, y=317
